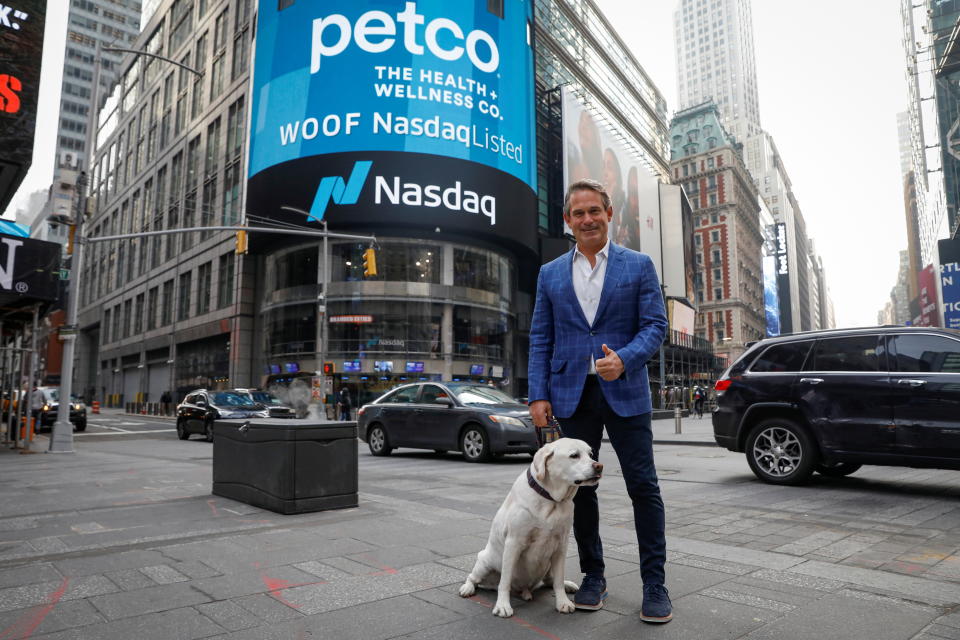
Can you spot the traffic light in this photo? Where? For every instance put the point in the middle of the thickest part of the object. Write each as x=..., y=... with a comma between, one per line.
x=241, y=242
x=369, y=263
x=328, y=369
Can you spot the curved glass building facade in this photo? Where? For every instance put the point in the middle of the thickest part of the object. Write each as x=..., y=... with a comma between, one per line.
x=435, y=311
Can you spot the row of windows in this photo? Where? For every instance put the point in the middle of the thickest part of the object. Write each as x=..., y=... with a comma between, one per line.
x=164, y=304
x=175, y=197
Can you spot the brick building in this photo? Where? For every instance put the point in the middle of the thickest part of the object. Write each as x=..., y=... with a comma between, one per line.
x=728, y=240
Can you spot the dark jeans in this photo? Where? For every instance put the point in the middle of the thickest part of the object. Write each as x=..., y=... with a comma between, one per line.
x=632, y=440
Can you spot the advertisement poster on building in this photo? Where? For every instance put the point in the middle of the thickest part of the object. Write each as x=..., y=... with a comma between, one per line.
x=591, y=151
x=405, y=114
x=928, y=316
x=949, y=250
x=771, y=298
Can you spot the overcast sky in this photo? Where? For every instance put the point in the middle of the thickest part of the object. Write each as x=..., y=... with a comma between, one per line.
x=831, y=83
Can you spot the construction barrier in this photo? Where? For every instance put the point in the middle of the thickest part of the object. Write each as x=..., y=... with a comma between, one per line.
x=95, y=406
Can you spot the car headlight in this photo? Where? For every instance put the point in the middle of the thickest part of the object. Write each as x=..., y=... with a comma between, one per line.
x=46, y=407
x=514, y=422
x=262, y=414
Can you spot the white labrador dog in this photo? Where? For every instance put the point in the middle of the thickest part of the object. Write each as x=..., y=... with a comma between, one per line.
x=528, y=539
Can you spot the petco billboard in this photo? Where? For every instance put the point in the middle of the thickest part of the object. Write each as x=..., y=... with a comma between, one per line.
x=396, y=115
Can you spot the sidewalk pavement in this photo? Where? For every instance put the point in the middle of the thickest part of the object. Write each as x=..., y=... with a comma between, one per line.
x=123, y=539
x=693, y=431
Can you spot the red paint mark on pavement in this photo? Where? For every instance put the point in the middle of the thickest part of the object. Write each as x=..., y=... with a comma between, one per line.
x=275, y=585
x=26, y=624
x=213, y=508
x=516, y=620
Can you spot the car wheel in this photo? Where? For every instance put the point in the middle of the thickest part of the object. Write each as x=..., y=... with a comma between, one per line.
x=474, y=444
x=377, y=441
x=208, y=429
x=779, y=451
x=837, y=469
x=182, y=432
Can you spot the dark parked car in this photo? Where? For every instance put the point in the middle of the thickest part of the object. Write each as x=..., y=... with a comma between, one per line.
x=51, y=407
x=477, y=420
x=275, y=406
x=200, y=408
x=831, y=401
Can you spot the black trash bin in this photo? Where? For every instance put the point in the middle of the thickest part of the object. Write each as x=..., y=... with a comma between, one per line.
x=287, y=466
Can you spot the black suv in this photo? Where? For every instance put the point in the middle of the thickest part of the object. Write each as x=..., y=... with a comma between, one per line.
x=830, y=401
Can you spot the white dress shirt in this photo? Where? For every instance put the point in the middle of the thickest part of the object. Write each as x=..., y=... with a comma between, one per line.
x=588, y=285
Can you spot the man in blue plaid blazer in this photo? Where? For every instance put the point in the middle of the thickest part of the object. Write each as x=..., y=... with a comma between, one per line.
x=597, y=321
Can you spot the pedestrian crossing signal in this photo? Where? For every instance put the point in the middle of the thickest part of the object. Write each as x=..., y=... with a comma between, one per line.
x=369, y=263
x=328, y=369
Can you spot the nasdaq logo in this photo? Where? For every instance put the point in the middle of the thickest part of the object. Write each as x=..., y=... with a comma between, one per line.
x=340, y=192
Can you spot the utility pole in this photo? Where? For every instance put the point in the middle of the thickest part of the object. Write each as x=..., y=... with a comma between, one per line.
x=61, y=436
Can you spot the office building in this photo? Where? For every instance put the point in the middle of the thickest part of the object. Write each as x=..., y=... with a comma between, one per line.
x=716, y=61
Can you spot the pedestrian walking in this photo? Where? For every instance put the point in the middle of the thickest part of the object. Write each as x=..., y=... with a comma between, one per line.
x=165, y=402
x=698, y=397
x=343, y=403
x=598, y=319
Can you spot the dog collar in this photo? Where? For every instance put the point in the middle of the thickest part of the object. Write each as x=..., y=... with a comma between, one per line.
x=536, y=486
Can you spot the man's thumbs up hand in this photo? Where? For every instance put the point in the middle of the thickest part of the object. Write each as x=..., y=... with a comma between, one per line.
x=610, y=366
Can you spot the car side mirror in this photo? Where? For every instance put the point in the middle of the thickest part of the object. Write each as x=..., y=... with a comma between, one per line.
x=444, y=400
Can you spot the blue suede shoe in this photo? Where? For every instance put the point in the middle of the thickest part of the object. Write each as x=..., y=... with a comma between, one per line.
x=591, y=594
x=656, y=604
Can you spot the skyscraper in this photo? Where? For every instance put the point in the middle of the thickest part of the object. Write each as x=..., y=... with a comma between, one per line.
x=115, y=23
x=715, y=61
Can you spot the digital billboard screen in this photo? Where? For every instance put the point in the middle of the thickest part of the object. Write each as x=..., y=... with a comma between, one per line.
x=351, y=366
x=21, y=51
x=771, y=297
x=410, y=114
x=476, y=369
x=415, y=367
x=383, y=365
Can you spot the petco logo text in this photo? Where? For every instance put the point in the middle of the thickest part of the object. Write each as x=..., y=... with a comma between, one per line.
x=375, y=31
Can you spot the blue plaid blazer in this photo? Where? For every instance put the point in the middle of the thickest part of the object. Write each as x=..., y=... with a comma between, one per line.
x=630, y=320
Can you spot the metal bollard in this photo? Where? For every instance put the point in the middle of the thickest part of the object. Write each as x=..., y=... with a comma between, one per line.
x=677, y=414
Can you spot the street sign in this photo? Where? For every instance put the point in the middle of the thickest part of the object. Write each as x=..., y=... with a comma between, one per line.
x=67, y=331
x=64, y=274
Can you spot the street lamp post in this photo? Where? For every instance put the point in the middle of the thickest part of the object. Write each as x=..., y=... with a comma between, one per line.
x=322, y=279
x=61, y=436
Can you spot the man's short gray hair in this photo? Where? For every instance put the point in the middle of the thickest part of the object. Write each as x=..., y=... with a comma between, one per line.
x=588, y=185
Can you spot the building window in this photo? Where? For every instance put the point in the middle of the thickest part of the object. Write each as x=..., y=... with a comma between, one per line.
x=152, y=301
x=713, y=199
x=714, y=236
x=196, y=106
x=183, y=302
x=717, y=294
x=717, y=274
x=204, y=284
x=225, y=280
x=716, y=257
x=166, y=311
x=714, y=218
x=138, y=315
x=127, y=313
